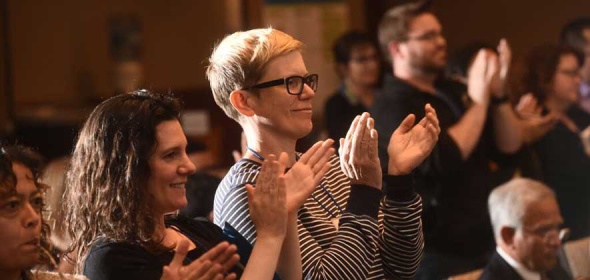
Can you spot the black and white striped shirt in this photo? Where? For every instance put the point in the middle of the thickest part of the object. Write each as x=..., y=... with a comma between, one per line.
x=377, y=238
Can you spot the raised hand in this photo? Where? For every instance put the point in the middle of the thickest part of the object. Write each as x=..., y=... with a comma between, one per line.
x=482, y=73
x=213, y=265
x=267, y=201
x=358, y=153
x=533, y=124
x=410, y=144
x=499, y=83
x=302, y=179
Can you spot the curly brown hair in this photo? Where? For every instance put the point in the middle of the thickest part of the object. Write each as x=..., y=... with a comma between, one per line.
x=10, y=154
x=106, y=197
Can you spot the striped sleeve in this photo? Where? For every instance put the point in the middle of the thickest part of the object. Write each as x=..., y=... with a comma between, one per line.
x=350, y=254
x=402, y=241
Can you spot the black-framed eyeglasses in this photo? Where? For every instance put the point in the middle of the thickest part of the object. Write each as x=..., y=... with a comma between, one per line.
x=294, y=84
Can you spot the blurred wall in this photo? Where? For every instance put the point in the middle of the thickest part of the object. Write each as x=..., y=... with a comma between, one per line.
x=60, y=49
x=525, y=23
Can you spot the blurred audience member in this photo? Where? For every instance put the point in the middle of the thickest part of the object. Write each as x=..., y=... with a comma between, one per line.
x=553, y=78
x=358, y=64
x=200, y=193
x=576, y=34
x=526, y=222
x=24, y=232
x=477, y=124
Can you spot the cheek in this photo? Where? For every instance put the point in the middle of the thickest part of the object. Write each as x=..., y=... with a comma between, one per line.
x=10, y=235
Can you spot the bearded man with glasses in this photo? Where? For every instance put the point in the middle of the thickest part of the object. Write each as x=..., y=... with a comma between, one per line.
x=477, y=125
x=347, y=226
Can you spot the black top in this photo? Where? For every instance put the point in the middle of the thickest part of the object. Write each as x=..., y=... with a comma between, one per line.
x=566, y=168
x=454, y=191
x=498, y=268
x=340, y=113
x=124, y=260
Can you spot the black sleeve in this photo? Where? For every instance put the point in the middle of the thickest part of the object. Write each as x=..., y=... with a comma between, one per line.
x=121, y=261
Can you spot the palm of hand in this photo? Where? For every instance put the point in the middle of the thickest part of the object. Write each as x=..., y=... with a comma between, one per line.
x=300, y=185
x=409, y=149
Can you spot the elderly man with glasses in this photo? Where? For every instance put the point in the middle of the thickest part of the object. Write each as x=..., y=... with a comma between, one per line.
x=526, y=221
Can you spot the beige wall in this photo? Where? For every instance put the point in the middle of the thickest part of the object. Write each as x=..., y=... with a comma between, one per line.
x=525, y=23
x=60, y=49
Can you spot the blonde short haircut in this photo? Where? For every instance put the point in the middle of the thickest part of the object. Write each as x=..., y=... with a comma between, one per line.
x=240, y=60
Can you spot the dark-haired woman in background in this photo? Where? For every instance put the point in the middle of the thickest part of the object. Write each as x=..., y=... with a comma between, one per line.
x=128, y=172
x=553, y=77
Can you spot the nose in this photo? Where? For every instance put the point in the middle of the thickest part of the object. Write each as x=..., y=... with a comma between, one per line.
x=307, y=93
x=31, y=218
x=187, y=167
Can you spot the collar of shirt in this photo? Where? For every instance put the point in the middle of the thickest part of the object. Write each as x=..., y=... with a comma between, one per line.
x=524, y=272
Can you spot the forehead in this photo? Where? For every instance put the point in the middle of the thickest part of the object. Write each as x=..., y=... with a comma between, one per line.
x=24, y=179
x=424, y=23
x=543, y=211
x=364, y=48
x=285, y=65
x=169, y=134
x=568, y=60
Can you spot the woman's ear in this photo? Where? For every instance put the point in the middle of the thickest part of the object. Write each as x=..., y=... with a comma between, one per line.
x=242, y=101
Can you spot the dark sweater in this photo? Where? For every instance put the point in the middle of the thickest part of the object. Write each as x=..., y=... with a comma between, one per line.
x=125, y=260
x=454, y=190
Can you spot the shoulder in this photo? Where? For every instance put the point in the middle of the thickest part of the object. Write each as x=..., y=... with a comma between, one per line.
x=120, y=260
x=196, y=229
x=498, y=268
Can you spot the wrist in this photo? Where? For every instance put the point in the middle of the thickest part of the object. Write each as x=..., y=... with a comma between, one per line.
x=499, y=100
x=392, y=169
x=270, y=239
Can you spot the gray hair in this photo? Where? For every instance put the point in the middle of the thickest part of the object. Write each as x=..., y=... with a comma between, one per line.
x=507, y=203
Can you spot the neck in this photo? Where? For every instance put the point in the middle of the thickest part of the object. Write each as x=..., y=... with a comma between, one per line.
x=556, y=106
x=364, y=93
x=160, y=231
x=266, y=142
x=421, y=79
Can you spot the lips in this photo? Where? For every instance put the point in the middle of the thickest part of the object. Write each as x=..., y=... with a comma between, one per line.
x=31, y=245
x=178, y=185
x=302, y=110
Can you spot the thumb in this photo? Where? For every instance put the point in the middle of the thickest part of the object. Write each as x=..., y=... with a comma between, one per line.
x=179, y=255
x=283, y=160
x=407, y=123
x=250, y=189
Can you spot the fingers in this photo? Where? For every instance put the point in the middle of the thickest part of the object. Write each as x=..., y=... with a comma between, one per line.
x=320, y=174
x=407, y=124
x=214, y=252
x=228, y=258
x=323, y=160
x=321, y=152
x=231, y=276
x=283, y=162
x=359, y=142
x=307, y=155
x=346, y=145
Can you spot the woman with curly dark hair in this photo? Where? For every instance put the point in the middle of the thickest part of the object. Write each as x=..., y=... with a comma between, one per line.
x=24, y=232
x=128, y=174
